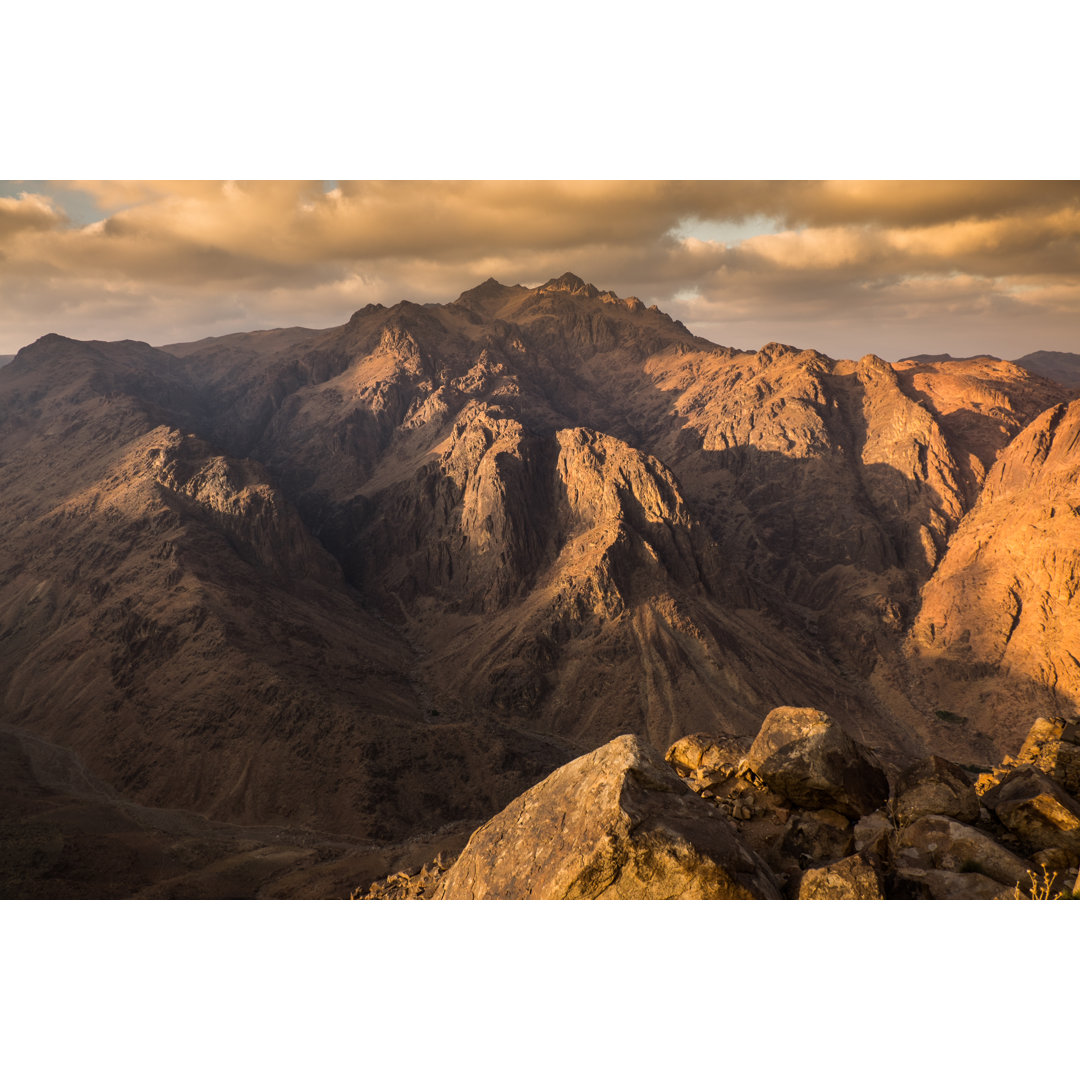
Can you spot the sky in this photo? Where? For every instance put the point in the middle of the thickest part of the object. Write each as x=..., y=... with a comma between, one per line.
x=846, y=267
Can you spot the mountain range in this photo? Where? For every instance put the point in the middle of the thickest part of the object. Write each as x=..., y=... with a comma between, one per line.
x=281, y=611
x=1062, y=367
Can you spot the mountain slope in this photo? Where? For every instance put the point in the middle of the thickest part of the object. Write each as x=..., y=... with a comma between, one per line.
x=1060, y=367
x=999, y=628
x=418, y=443
x=165, y=613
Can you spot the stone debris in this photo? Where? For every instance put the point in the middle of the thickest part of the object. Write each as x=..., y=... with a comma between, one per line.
x=1053, y=747
x=409, y=884
x=852, y=878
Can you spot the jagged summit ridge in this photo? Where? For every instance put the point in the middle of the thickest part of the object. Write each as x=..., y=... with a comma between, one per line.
x=571, y=283
x=491, y=298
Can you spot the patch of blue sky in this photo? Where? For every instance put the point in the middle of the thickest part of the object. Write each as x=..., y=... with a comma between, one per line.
x=725, y=232
x=79, y=206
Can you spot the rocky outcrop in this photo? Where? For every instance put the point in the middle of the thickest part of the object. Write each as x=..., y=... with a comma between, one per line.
x=872, y=835
x=614, y=824
x=705, y=761
x=405, y=885
x=922, y=884
x=817, y=836
x=655, y=833
x=805, y=756
x=236, y=498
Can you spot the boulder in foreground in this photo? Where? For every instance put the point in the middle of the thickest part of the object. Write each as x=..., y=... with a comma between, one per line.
x=935, y=786
x=1038, y=810
x=951, y=885
x=805, y=756
x=616, y=824
x=1053, y=747
x=939, y=843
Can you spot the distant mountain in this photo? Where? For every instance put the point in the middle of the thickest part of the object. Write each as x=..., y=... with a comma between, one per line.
x=1061, y=367
x=941, y=358
x=376, y=581
x=254, y=342
x=6, y=360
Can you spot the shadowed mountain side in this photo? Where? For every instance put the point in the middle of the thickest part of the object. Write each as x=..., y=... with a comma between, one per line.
x=65, y=835
x=1062, y=367
x=165, y=613
x=566, y=581
x=242, y=346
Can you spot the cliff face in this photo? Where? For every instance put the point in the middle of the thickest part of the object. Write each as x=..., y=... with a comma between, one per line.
x=998, y=625
x=380, y=578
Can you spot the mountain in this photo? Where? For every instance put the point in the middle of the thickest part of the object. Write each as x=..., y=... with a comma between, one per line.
x=375, y=581
x=1064, y=367
x=999, y=623
x=1060, y=367
x=941, y=358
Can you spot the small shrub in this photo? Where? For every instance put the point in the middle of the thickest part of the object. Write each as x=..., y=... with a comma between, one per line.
x=1039, y=889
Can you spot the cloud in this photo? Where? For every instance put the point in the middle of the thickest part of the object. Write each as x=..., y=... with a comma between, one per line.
x=220, y=256
x=911, y=203
x=28, y=212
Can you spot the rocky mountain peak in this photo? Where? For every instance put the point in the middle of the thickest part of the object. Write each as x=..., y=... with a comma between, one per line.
x=1063, y=367
x=776, y=350
x=367, y=309
x=572, y=284
x=487, y=297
